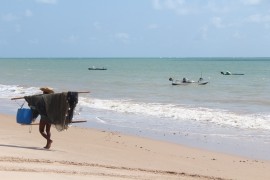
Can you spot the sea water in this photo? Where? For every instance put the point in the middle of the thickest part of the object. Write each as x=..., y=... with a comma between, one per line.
x=134, y=95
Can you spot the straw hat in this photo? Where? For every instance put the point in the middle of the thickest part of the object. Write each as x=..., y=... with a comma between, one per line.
x=47, y=90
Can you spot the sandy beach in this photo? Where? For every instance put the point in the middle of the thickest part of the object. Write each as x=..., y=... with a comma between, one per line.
x=82, y=153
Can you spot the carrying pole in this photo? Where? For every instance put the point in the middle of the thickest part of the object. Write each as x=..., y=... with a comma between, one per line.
x=81, y=121
x=23, y=97
x=17, y=98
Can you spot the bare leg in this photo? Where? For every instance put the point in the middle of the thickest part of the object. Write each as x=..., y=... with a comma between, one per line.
x=48, y=131
x=42, y=124
x=47, y=135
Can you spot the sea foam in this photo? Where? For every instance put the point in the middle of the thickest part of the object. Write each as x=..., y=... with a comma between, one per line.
x=181, y=113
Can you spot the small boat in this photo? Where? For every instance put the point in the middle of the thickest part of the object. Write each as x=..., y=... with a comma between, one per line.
x=188, y=82
x=94, y=68
x=229, y=73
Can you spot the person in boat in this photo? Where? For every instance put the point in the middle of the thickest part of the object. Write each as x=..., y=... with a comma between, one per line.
x=184, y=80
x=226, y=73
x=44, y=123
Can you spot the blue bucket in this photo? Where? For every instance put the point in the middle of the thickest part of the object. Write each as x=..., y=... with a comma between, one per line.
x=24, y=116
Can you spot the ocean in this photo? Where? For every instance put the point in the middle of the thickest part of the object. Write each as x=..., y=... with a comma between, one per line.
x=230, y=114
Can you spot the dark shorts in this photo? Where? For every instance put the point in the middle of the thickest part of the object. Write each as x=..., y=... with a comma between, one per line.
x=45, y=118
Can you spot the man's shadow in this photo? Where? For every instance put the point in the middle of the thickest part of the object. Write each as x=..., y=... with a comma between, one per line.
x=24, y=147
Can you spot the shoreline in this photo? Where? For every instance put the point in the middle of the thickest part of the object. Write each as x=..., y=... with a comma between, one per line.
x=232, y=142
x=85, y=153
x=206, y=135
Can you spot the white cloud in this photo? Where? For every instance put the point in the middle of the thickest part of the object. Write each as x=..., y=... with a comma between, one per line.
x=152, y=26
x=204, y=32
x=28, y=13
x=174, y=4
x=267, y=26
x=259, y=18
x=97, y=25
x=217, y=21
x=47, y=1
x=177, y=6
x=3, y=42
x=124, y=37
x=156, y=4
x=252, y=2
x=238, y=35
x=71, y=39
x=18, y=28
x=33, y=41
x=9, y=17
x=214, y=6
x=185, y=7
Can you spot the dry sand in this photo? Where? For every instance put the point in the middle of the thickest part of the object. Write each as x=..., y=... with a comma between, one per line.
x=82, y=153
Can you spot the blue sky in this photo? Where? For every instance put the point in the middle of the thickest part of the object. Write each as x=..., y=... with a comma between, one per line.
x=134, y=28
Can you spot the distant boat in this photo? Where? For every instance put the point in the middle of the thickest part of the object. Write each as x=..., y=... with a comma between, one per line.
x=229, y=73
x=95, y=68
x=188, y=82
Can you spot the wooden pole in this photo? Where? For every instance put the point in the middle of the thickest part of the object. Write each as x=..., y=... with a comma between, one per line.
x=23, y=97
x=17, y=98
x=78, y=121
x=38, y=123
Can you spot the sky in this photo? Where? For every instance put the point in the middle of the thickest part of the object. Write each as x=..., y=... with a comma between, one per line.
x=134, y=28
